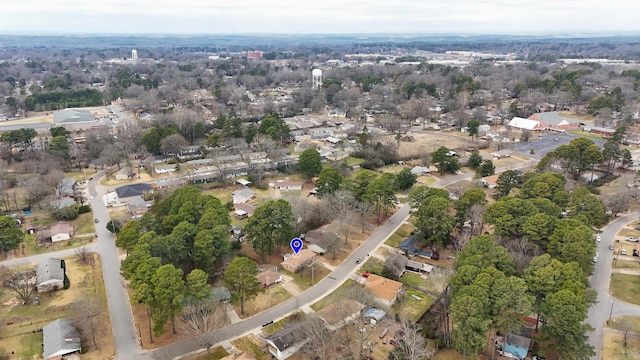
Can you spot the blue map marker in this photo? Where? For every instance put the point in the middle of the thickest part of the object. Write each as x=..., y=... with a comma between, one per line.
x=296, y=245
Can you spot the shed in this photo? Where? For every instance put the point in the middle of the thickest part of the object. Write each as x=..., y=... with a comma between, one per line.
x=517, y=345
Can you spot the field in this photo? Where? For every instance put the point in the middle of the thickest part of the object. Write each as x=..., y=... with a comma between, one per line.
x=613, y=346
x=337, y=294
x=87, y=287
x=411, y=307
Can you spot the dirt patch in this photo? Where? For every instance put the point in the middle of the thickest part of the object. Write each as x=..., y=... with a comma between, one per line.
x=430, y=142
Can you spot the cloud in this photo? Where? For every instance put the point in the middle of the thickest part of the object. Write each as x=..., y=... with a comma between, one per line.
x=313, y=16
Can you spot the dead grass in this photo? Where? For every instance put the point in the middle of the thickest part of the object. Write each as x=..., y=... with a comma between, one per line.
x=623, y=323
x=245, y=343
x=613, y=348
x=84, y=224
x=413, y=307
x=304, y=280
x=402, y=233
x=429, y=142
x=337, y=294
x=265, y=300
x=448, y=354
x=19, y=335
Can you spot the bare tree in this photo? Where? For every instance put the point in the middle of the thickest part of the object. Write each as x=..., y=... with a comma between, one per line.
x=23, y=283
x=364, y=209
x=200, y=319
x=84, y=255
x=321, y=339
x=476, y=216
x=35, y=189
x=343, y=203
x=412, y=345
x=173, y=143
x=617, y=203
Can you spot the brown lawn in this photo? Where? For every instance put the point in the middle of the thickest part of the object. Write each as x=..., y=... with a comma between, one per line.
x=70, y=303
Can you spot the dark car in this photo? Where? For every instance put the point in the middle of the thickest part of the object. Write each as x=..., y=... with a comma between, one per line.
x=91, y=178
x=95, y=221
x=359, y=260
x=635, y=252
x=637, y=227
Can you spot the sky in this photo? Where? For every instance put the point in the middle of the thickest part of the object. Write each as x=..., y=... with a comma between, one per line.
x=516, y=17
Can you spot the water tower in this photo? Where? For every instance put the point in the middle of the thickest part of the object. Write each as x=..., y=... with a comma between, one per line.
x=316, y=76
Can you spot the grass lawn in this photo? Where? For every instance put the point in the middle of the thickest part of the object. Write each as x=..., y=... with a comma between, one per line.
x=333, y=296
x=303, y=279
x=24, y=347
x=373, y=265
x=354, y=161
x=217, y=353
x=426, y=180
x=626, y=323
x=624, y=264
x=613, y=346
x=278, y=325
x=265, y=300
x=246, y=344
x=447, y=354
x=84, y=224
x=31, y=247
x=411, y=307
x=402, y=233
x=626, y=287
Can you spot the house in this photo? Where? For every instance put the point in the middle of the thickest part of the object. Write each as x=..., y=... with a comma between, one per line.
x=294, y=263
x=137, y=207
x=490, y=182
x=133, y=190
x=420, y=170
x=220, y=295
x=62, y=203
x=319, y=241
x=339, y=313
x=505, y=153
x=65, y=188
x=60, y=231
x=408, y=247
x=249, y=209
x=243, y=182
x=287, y=185
x=519, y=124
x=387, y=291
x=245, y=355
x=242, y=196
x=50, y=275
x=164, y=168
x=552, y=120
x=125, y=173
x=269, y=277
x=399, y=264
x=171, y=183
x=203, y=178
x=60, y=338
x=601, y=131
x=286, y=342
x=516, y=345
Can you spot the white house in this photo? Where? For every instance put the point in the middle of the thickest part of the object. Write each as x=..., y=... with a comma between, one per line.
x=287, y=185
x=286, y=342
x=242, y=196
x=60, y=231
x=420, y=170
x=164, y=168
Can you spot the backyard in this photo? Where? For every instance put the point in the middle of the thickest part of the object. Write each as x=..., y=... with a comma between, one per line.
x=22, y=321
x=414, y=304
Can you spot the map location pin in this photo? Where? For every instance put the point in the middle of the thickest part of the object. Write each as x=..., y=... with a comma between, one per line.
x=296, y=245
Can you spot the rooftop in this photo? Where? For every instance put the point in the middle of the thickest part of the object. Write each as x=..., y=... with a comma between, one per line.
x=60, y=337
x=382, y=287
x=67, y=116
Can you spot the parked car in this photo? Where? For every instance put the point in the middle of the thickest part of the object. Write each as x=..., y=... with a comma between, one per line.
x=635, y=252
x=637, y=227
x=359, y=260
x=536, y=357
x=623, y=251
x=611, y=247
x=632, y=239
x=598, y=238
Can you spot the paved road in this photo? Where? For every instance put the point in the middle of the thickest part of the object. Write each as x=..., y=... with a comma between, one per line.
x=607, y=305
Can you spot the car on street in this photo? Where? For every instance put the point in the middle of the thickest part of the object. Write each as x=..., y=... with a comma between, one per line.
x=359, y=260
x=90, y=197
x=91, y=178
x=611, y=247
x=95, y=221
x=598, y=238
x=623, y=251
x=595, y=258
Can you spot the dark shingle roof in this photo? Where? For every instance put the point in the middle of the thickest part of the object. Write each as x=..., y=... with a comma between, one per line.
x=133, y=190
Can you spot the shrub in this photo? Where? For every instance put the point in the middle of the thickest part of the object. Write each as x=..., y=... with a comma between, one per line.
x=84, y=209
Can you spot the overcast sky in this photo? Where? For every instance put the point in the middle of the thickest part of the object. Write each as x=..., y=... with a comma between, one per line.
x=318, y=17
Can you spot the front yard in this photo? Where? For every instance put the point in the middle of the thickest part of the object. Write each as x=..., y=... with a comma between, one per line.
x=626, y=287
x=265, y=300
x=402, y=233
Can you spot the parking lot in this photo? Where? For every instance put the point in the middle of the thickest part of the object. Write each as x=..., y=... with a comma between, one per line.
x=549, y=142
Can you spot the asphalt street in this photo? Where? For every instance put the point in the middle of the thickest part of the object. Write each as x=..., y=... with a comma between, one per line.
x=607, y=306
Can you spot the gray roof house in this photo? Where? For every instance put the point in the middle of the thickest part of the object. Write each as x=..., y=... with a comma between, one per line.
x=50, y=275
x=132, y=190
x=318, y=241
x=59, y=338
x=286, y=342
x=65, y=188
x=242, y=196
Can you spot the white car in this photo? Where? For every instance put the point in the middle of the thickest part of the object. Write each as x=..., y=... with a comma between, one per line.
x=598, y=238
x=623, y=251
x=91, y=198
x=632, y=239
